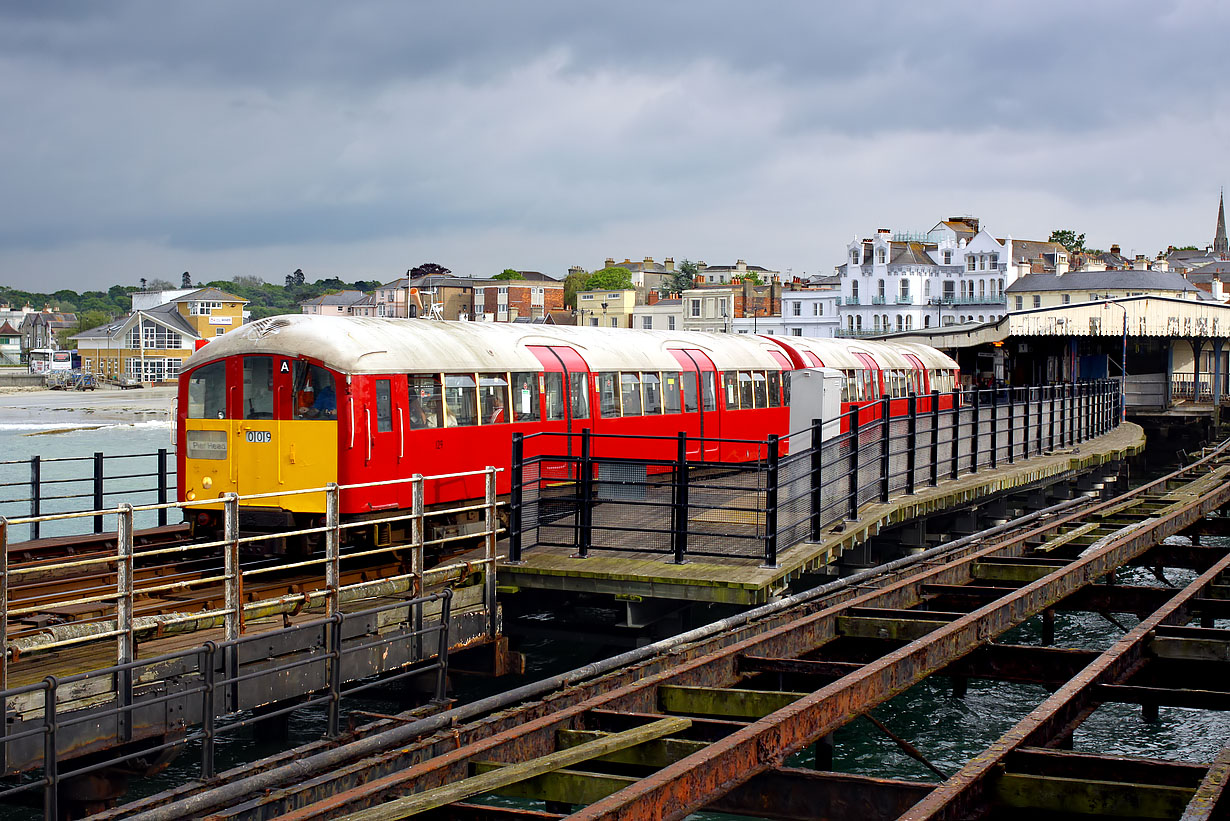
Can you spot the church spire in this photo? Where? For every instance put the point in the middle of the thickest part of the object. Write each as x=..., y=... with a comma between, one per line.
x=1220, y=246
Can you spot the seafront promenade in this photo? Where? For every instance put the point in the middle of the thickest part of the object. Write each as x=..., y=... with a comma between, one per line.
x=105, y=404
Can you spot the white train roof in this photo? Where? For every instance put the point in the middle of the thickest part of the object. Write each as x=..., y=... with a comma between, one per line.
x=369, y=345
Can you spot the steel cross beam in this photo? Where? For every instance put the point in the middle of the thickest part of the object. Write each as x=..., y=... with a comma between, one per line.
x=690, y=784
x=970, y=787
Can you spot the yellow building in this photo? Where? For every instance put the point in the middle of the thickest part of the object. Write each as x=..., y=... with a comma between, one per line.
x=149, y=344
x=607, y=309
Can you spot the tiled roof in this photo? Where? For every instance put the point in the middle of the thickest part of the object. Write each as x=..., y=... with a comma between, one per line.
x=210, y=294
x=341, y=298
x=910, y=253
x=6, y=328
x=1205, y=273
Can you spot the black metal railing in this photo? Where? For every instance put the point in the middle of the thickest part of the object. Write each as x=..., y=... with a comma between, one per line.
x=200, y=685
x=581, y=492
x=37, y=487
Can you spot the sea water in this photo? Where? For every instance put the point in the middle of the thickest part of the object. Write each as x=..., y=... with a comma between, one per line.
x=67, y=449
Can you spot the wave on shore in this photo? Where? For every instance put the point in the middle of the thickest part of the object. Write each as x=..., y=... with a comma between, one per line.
x=41, y=428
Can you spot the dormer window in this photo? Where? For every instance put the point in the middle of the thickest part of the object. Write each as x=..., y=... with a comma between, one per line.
x=854, y=257
x=880, y=255
x=948, y=257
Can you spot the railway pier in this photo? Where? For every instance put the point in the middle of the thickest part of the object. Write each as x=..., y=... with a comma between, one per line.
x=746, y=715
x=123, y=653
x=649, y=535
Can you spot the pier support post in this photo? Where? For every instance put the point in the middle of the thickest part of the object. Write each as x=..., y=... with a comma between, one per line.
x=126, y=643
x=817, y=479
x=824, y=752
x=679, y=507
x=852, y=495
x=935, y=438
x=515, y=497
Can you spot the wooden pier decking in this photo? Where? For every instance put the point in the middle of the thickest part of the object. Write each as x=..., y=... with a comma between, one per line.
x=747, y=581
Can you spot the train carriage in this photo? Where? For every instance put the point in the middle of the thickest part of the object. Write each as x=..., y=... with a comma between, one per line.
x=296, y=402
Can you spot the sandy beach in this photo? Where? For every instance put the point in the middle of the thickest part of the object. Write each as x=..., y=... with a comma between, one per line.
x=104, y=405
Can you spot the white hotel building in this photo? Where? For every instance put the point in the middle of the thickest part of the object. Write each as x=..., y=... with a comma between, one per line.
x=953, y=274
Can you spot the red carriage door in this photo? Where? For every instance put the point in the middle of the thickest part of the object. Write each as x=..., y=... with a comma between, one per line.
x=708, y=428
x=566, y=389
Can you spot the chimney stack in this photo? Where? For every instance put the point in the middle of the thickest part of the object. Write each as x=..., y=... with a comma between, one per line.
x=669, y=264
x=652, y=299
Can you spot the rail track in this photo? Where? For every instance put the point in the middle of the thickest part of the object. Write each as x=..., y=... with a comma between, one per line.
x=709, y=719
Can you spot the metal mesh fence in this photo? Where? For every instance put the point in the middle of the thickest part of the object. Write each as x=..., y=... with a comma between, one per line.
x=726, y=509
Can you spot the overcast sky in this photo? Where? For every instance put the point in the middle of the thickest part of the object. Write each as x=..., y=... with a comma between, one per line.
x=358, y=139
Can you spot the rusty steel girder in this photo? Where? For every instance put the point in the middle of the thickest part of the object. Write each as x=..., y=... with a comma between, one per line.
x=691, y=783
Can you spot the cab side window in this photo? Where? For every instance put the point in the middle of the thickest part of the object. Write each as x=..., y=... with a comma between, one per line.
x=258, y=387
x=315, y=396
x=207, y=392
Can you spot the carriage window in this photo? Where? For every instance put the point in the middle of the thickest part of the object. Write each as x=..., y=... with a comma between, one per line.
x=746, y=400
x=630, y=390
x=493, y=398
x=653, y=392
x=258, y=387
x=425, y=396
x=691, y=401
x=775, y=389
x=708, y=390
x=555, y=396
x=314, y=394
x=731, y=385
x=459, y=405
x=525, y=396
x=384, y=407
x=578, y=395
x=608, y=395
x=760, y=386
x=670, y=392
x=207, y=392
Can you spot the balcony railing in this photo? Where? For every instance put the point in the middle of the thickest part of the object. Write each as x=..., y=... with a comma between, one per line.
x=878, y=300
x=905, y=300
x=968, y=300
x=851, y=300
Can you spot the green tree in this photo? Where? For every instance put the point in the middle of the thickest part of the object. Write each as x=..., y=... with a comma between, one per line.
x=684, y=278
x=610, y=279
x=1068, y=239
x=508, y=273
x=752, y=277
x=577, y=280
x=428, y=268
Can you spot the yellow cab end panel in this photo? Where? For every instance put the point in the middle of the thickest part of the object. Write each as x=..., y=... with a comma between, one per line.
x=279, y=456
x=209, y=466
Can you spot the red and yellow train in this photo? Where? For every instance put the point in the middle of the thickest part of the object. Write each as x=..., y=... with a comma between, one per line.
x=296, y=402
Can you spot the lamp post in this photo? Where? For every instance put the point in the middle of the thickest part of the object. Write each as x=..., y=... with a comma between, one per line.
x=1122, y=360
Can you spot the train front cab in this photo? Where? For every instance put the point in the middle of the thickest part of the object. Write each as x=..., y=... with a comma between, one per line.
x=254, y=425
